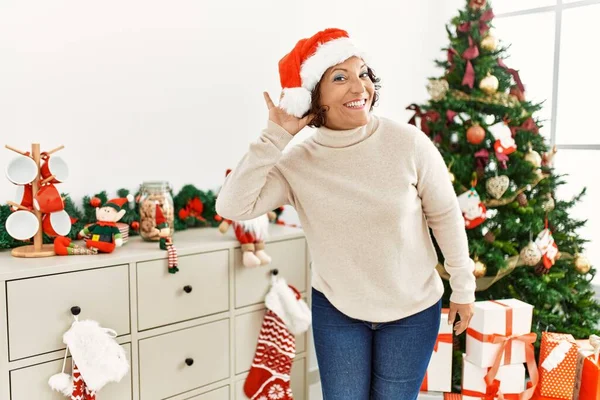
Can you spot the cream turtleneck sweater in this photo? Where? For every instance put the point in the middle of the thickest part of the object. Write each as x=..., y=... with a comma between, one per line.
x=365, y=198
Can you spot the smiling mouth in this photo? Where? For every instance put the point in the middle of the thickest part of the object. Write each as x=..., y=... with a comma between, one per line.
x=356, y=104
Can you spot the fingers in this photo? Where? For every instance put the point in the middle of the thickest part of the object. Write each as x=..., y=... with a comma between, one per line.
x=451, y=316
x=465, y=320
x=268, y=100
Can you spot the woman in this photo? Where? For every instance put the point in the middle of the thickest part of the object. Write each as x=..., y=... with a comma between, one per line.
x=366, y=189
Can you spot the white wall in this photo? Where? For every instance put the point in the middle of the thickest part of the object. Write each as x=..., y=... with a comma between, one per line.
x=145, y=90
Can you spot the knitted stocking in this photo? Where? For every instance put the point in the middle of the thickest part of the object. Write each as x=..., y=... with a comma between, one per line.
x=287, y=315
x=80, y=389
x=269, y=375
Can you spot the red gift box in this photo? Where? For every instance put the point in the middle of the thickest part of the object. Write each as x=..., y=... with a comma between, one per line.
x=587, y=381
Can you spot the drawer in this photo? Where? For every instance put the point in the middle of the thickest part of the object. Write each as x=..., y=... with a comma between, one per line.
x=39, y=309
x=32, y=382
x=297, y=382
x=217, y=394
x=162, y=299
x=251, y=284
x=247, y=328
x=163, y=368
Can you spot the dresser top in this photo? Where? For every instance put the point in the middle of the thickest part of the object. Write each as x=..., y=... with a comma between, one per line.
x=195, y=240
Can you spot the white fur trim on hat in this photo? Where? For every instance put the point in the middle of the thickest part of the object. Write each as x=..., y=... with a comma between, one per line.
x=327, y=55
x=296, y=101
x=294, y=312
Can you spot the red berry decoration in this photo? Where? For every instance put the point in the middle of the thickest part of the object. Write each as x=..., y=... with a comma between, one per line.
x=135, y=225
x=95, y=202
x=475, y=134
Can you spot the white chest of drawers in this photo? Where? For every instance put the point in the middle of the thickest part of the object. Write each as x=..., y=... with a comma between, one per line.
x=189, y=335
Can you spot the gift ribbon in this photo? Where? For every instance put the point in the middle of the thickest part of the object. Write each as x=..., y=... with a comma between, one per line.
x=505, y=341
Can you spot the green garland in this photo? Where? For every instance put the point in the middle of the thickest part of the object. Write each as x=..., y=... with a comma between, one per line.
x=194, y=208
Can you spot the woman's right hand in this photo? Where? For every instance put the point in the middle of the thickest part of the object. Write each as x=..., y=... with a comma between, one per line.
x=288, y=122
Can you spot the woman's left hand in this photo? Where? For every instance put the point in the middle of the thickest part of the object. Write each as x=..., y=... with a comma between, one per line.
x=465, y=312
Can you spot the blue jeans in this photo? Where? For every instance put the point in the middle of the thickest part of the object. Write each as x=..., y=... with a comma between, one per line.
x=360, y=360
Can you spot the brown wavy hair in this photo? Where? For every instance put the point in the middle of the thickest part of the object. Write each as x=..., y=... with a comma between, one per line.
x=320, y=112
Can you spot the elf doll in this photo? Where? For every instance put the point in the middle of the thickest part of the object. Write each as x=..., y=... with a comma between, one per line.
x=166, y=241
x=101, y=237
x=251, y=234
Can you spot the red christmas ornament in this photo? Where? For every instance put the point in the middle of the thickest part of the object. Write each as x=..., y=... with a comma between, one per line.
x=475, y=134
x=135, y=225
x=95, y=202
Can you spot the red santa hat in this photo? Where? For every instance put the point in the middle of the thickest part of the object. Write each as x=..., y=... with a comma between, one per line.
x=119, y=202
x=160, y=219
x=301, y=69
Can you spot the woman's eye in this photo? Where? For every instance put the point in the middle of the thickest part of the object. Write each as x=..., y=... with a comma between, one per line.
x=364, y=74
x=339, y=78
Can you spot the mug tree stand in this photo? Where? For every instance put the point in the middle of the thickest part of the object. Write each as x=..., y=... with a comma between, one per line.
x=38, y=248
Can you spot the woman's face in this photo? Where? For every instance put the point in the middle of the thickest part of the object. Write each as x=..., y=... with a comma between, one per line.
x=347, y=92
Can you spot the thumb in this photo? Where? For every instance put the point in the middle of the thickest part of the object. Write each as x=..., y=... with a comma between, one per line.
x=452, y=316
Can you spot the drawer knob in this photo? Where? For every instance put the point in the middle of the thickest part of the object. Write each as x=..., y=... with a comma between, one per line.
x=75, y=310
x=189, y=361
x=187, y=289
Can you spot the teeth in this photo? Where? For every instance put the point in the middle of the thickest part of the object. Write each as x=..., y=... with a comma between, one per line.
x=356, y=104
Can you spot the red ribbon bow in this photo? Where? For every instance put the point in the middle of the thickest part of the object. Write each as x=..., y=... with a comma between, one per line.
x=483, y=158
x=528, y=125
x=514, y=73
x=426, y=117
x=486, y=17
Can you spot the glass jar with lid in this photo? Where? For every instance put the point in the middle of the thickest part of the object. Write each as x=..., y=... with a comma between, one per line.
x=155, y=194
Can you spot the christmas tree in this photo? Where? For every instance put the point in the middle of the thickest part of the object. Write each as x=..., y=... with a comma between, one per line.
x=524, y=243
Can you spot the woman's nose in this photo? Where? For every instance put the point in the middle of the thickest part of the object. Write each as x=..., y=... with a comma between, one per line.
x=357, y=86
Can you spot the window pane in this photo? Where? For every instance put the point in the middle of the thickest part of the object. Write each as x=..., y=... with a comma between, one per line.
x=503, y=6
x=532, y=57
x=578, y=83
x=578, y=164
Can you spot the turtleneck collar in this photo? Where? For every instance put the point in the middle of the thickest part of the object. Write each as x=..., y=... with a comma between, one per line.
x=344, y=138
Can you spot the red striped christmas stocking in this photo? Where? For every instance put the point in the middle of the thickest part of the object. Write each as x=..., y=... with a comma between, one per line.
x=80, y=389
x=269, y=377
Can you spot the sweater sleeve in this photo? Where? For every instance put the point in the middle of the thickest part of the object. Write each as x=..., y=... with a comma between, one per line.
x=256, y=185
x=441, y=209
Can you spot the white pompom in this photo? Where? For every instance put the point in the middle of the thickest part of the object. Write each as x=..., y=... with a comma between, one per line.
x=61, y=382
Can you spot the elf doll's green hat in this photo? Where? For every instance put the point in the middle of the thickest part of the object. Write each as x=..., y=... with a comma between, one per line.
x=118, y=203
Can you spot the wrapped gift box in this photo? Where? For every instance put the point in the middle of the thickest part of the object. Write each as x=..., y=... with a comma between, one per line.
x=498, y=318
x=587, y=379
x=439, y=372
x=558, y=361
x=511, y=378
x=430, y=396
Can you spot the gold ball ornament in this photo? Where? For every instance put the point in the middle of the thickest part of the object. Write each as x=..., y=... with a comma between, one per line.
x=437, y=89
x=582, y=264
x=531, y=254
x=534, y=158
x=489, y=43
x=480, y=269
x=489, y=84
